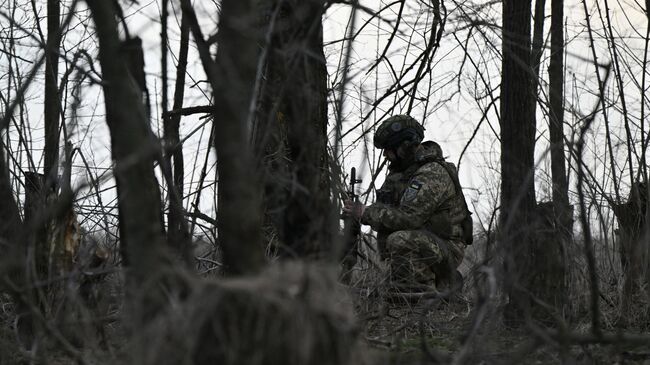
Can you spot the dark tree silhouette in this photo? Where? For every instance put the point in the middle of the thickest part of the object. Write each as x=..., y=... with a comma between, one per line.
x=12, y=264
x=517, y=153
x=177, y=233
x=133, y=147
x=52, y=102
x=291, y=129
x=562, y=216
x=232, y=77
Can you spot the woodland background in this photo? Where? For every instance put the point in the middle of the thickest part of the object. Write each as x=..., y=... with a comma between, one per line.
x=171, y=175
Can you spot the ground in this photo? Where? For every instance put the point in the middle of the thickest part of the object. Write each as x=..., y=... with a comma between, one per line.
x=433, y=331
x=466, y=329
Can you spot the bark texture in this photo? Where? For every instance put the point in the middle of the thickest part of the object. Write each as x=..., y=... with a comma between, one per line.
x=133, y=149
x=518, y=204
x=12, y=263
x=52, y=104
x=291, y=128
x=634, y=243
x=232, y=76
x=177, y=233
x=562, y=216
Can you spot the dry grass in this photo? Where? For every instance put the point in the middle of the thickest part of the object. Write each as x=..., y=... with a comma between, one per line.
x=298, y=313
x=470, y=329
x=292, y=313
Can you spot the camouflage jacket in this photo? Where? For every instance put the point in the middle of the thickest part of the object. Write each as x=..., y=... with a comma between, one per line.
x=422, y=196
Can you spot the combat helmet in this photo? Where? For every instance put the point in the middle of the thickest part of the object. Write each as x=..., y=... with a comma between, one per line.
x=398, y=129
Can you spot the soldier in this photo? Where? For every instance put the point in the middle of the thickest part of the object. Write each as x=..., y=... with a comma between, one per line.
x=420, y=210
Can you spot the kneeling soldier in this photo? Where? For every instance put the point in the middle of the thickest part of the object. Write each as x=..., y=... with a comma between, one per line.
x=420, y=215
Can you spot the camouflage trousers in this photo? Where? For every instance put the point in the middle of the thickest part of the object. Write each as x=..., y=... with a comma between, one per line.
x=418, y=257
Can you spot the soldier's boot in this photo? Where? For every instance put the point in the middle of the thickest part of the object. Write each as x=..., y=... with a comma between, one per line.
x=411, y=281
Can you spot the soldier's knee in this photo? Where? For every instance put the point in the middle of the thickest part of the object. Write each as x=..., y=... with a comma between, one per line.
x=396, y=238
x=401, y=242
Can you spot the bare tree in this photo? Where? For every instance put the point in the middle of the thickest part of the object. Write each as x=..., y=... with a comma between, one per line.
x=517, y=155
x=267, y=110
x=133, y=149
x=177, y=234
x=562, y=216
x=52, y=102
x=13, y=265
x=232, y=77
x=291, y=130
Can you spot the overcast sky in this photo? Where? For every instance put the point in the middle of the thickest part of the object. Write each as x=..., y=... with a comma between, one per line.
x=450, y=122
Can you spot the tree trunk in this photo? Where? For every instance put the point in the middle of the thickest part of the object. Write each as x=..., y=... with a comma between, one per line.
x=538, y=41
x=133, y=149
x=232, y=76
x=35, y=208
x=177, y=233
x=52, y=104
x=42, y=189
x=14, y=258
x=633, y=241
x=238, y=202
x=563, y=213
x=291, y=129
x=556, y=106
x=9, y=215
x=517, y=155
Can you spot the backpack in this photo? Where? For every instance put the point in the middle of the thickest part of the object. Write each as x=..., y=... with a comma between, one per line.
x=467, y=224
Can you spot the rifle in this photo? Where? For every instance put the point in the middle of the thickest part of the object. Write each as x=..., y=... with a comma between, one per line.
x=351, y=230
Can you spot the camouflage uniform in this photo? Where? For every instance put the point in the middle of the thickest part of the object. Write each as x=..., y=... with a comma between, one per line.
x=416, y=207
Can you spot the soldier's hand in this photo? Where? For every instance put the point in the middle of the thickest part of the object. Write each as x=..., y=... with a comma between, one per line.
x=353, y=209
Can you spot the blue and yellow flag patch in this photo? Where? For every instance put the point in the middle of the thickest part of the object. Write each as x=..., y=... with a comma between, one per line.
x=412, y=191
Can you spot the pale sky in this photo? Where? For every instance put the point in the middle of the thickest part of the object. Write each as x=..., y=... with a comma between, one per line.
x=450, y=123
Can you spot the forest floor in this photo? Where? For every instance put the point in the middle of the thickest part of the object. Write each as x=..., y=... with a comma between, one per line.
x=433, y=332
x=470, y=329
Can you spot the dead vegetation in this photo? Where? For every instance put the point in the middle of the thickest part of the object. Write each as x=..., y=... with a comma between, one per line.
x=298, y=313
x=93, y=273
x=292, y=313
x=468, y=328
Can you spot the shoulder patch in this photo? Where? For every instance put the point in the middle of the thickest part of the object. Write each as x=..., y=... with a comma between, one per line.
x=411, y=191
